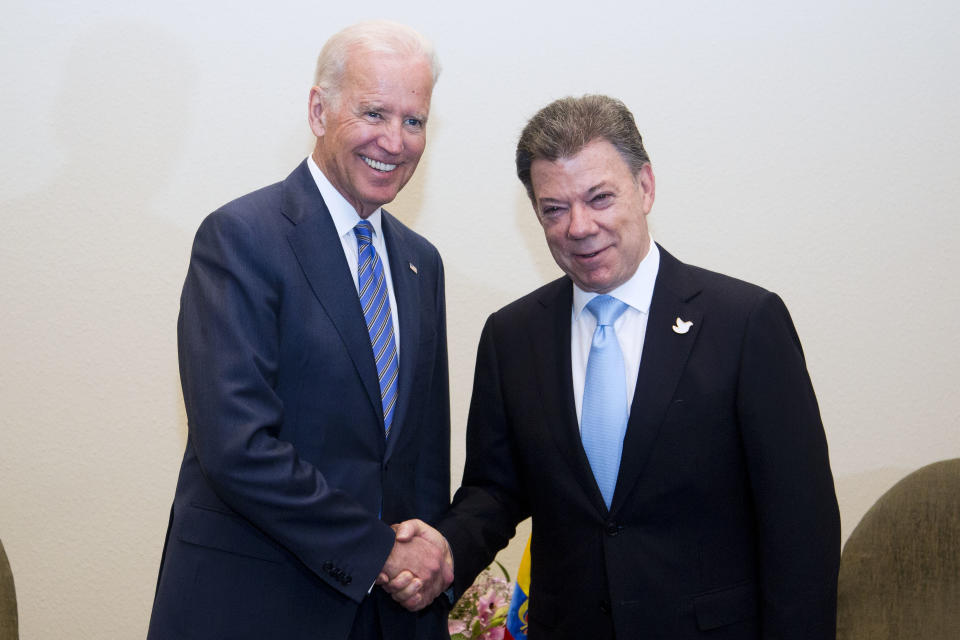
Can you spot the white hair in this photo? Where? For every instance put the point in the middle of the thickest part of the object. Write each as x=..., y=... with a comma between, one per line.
x=378, y=36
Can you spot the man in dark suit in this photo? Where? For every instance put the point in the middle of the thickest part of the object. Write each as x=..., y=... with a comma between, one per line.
x=312, y=342
x=655, y=419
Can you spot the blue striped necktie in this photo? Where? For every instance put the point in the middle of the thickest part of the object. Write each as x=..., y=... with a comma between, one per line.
x=603, y=414
x=376, y=312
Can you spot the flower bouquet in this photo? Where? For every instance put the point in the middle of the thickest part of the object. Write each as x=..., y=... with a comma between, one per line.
x=481, y=613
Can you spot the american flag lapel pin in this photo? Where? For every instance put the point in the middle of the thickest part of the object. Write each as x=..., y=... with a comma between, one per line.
x=413, y=267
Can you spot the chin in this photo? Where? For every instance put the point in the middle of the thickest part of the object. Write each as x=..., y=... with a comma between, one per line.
x=588, y=283
x=381, y=197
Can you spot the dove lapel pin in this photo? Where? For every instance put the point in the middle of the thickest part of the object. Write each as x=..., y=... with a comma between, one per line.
x=682, y=326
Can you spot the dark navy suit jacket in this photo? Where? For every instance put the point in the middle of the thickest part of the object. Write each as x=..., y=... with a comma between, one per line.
x=724, y=521
x=274, y=530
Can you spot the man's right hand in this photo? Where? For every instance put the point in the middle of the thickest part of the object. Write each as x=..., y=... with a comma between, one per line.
x=419, y=567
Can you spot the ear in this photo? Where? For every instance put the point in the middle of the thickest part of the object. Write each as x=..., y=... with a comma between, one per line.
x=316, y=111
x=647, y=184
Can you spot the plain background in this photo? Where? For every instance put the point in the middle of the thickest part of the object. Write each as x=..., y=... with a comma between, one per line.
x=809, y=147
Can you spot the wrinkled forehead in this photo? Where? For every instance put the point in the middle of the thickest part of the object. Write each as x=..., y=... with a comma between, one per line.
x=389, y=75
x=598, y=162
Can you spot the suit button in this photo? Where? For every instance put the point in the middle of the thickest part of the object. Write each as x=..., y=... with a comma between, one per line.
x=612, y=528
x=605, y=607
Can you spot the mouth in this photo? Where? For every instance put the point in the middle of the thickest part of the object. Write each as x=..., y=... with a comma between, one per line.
x=588, y=256
x=379, y=166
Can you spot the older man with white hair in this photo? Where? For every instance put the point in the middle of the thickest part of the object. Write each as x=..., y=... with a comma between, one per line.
x=312, y=343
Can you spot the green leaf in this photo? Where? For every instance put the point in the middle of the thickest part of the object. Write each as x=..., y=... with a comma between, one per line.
x=503, y=569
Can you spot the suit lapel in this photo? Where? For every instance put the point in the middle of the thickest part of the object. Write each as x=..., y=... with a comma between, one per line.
x=406, y=288
x=319, y=251
x=664, y=357
x=549, y=335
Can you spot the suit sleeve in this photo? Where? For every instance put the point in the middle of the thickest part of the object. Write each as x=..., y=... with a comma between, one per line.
x=786, y=450
x=229, y=346
x=490, y=501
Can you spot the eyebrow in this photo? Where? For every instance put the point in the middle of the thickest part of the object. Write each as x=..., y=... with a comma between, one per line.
x=380, y=107
x=372, y=106
x=550, y=201
x=598, y=187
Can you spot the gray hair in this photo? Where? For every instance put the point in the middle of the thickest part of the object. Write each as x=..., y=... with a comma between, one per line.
x=377, y=36
x=565, y=126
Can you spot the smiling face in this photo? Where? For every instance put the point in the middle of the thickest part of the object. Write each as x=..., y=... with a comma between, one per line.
x=371, y=135
x=593, y=211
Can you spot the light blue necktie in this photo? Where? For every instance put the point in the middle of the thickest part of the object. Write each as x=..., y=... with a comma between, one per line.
x=376, y=311
x=603, y=415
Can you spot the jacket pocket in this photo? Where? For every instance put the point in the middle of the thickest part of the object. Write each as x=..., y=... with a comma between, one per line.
x=215, y=529
x=725, y=606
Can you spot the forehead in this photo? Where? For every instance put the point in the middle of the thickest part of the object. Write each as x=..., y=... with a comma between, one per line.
x=597, y=163
x=384, y=78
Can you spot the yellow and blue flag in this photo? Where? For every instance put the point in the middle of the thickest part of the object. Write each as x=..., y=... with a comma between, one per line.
x=517, y=616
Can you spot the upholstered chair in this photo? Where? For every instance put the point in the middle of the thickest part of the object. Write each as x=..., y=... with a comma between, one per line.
x=900, y=568
x=8, y=599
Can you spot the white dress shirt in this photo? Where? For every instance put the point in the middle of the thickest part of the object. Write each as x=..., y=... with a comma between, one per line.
x=345, y=218
x=631, y=326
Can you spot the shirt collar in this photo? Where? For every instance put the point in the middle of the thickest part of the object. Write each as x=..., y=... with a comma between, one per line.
x=636, y=292
x=345, y=217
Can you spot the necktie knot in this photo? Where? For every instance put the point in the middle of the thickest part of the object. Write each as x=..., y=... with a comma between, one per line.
x=364, y=231
x=606, y=309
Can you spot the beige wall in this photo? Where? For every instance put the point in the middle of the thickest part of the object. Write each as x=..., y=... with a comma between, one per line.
x=809, y=147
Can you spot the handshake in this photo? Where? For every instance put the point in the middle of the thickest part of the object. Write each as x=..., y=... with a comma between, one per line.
x=419, y=567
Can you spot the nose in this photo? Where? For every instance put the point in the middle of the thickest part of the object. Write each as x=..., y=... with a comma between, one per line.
x=391, y=138
x=582, y=224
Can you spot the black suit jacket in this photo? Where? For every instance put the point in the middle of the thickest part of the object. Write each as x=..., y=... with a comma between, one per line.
x=724, y=521
x=274, y=530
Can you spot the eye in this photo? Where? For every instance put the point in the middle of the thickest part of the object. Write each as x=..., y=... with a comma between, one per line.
x=415, y=123
x=551, y=210
x=601, y=199
x=373, y=115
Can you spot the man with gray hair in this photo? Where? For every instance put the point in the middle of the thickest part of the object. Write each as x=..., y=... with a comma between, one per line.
x=656, y=420
x=313, y=360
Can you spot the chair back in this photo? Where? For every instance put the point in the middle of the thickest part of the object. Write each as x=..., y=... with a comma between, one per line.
x=900, y=568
